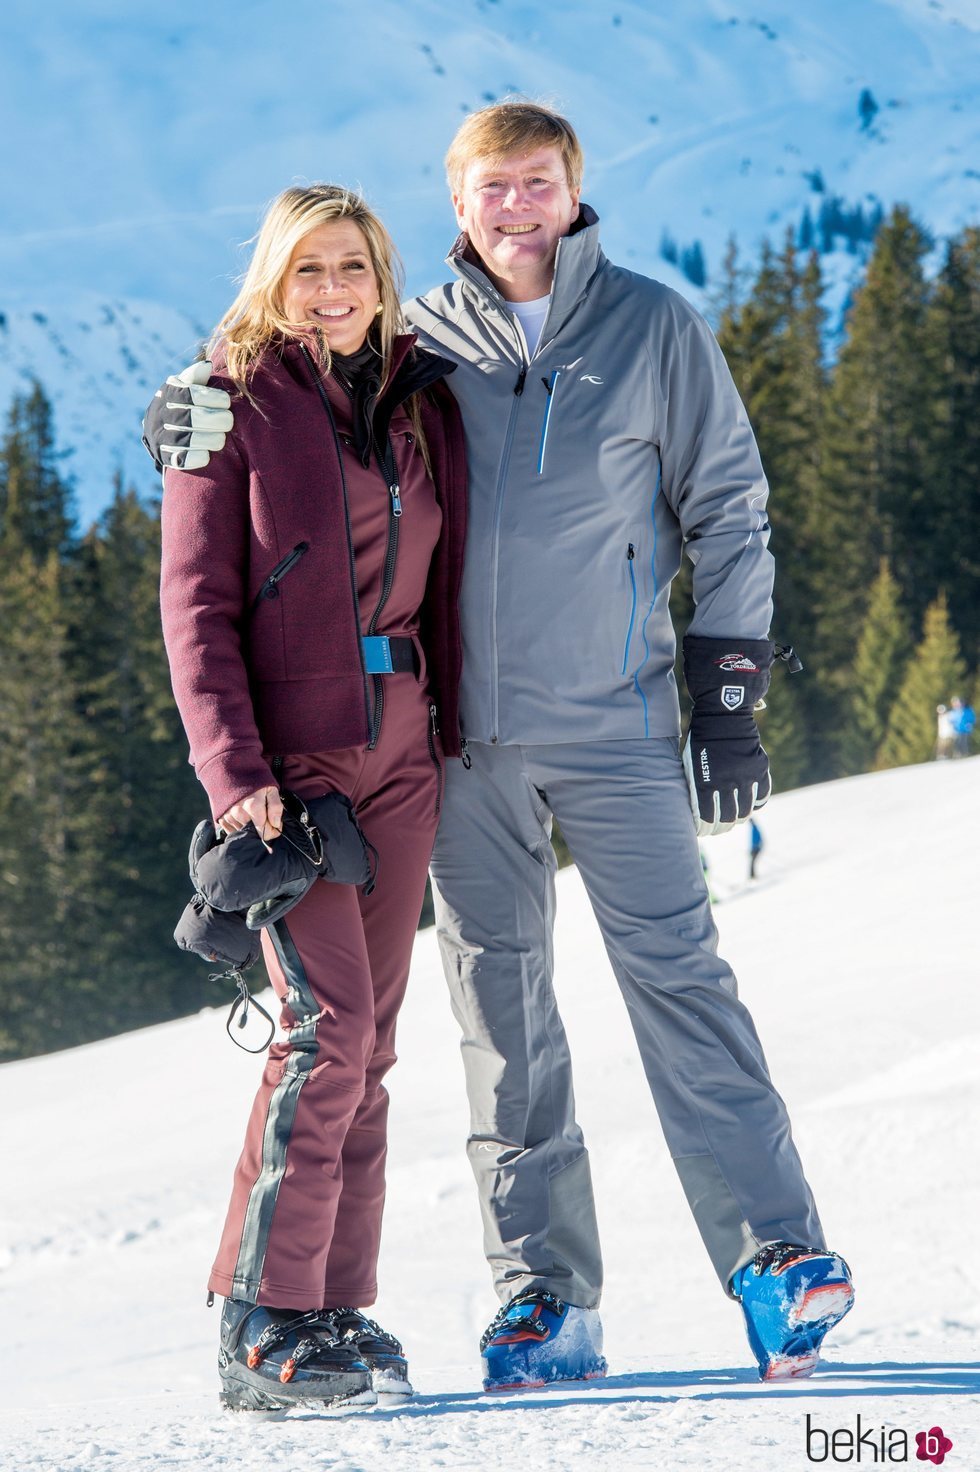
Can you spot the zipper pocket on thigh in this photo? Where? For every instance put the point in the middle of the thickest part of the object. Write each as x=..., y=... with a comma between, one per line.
x=433, y=732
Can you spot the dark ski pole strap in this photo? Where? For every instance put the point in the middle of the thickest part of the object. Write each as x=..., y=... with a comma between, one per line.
x=243, y=1001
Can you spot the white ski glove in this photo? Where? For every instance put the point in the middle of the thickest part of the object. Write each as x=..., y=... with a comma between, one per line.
x=186, y=421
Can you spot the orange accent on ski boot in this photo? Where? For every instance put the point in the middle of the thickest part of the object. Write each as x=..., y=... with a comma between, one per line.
x=287, y=1371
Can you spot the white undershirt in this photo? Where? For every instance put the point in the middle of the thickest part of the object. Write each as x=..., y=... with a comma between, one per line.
x=531, y=316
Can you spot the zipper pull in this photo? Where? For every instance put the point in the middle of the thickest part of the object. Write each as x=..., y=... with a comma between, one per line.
x=396, y=499
x=465, y=754
x=788, y=654
x=630, y=554
x=519, y=385
x=433, y=721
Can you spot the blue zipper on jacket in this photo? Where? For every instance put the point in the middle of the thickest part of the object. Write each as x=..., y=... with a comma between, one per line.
x=630, y=555
x=551, y=385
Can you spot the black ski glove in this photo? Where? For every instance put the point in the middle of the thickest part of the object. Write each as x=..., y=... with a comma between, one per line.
x=727, y=769
x=186, y=420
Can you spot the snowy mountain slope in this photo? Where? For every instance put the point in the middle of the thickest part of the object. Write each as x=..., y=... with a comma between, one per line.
x=856, y=952
x=99, y=361
x=145, y=142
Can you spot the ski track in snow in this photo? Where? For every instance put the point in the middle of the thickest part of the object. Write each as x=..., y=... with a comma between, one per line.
x=858, y=957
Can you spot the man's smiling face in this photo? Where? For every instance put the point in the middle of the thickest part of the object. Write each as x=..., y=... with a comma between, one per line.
x=515, y=211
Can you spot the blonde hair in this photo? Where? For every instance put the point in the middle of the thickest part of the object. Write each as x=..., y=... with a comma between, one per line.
x=256, y=319
x=515, y=125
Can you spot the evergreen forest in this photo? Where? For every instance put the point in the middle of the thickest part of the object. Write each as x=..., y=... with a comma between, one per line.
x=873, y=460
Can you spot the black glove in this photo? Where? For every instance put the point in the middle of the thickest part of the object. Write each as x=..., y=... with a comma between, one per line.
x=727, y=769
x=186, y=420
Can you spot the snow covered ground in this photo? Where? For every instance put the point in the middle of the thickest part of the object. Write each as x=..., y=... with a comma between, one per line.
x=857, y=953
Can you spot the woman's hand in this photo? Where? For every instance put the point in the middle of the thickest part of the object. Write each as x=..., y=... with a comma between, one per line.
x=263, y=808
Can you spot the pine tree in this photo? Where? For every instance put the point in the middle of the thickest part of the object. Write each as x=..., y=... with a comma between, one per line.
x=935, y=673
x=693, y=265
x=143, y=797
x=96, y=798
x=41, y=802
x=35, y=500
x=876, y=475
x=774, y=347
x=867, y=109
x=950, y=555
x=782, y=728
x=726, y=300
x=882, y=654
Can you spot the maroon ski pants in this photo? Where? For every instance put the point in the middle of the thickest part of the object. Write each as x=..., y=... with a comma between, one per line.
x=304, y=1223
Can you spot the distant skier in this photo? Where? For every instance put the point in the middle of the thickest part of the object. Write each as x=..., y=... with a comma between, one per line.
x=963, y=721
x=945, y=734
x=756, y=845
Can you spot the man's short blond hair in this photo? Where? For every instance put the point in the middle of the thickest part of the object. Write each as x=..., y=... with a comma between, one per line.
x=510, y=127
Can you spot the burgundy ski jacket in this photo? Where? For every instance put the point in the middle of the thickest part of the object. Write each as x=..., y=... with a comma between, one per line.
x=292, y=680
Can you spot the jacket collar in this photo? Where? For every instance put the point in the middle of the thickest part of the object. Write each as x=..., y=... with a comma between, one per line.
x=578, y=260
x=412, y=370
x=412, y=367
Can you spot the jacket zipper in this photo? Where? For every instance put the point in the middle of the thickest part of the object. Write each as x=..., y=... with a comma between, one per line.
x=350, y=544
x=433, y=732
x=270, y=588
x=495, y=545
x=389, y=470
x=630, y=555
x=551, y=384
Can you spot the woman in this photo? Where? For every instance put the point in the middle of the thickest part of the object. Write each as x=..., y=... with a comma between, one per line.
x=309, y=588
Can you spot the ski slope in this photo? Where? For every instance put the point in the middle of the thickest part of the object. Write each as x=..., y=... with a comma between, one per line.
x=856, y=951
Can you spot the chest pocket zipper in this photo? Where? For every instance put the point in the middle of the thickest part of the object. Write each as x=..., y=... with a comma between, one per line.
x=270, y=588
x=551, y=384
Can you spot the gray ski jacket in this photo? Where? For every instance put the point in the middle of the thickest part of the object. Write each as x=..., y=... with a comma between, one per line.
x=591, y=465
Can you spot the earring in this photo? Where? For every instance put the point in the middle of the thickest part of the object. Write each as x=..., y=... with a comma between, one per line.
x=378, y=310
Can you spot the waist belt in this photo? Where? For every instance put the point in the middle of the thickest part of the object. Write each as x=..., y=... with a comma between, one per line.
x=384, y=656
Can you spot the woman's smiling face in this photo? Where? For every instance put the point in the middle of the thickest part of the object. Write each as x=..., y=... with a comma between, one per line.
x=330, y=283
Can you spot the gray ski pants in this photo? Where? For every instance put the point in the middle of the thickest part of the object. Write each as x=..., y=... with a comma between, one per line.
x=623, y=808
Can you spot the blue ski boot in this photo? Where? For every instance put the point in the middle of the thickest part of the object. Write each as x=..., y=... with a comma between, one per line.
x=537, y=1340
x=790, y=1297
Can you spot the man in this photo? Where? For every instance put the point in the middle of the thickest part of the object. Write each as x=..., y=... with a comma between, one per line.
x=963, y=722
x=756, y=845
x=603, y=435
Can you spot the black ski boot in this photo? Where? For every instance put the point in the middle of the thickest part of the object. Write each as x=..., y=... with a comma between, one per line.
x=379, y=1350
x=270, y=1359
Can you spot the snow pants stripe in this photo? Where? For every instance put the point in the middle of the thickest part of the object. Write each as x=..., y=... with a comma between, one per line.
x=281, y=1115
